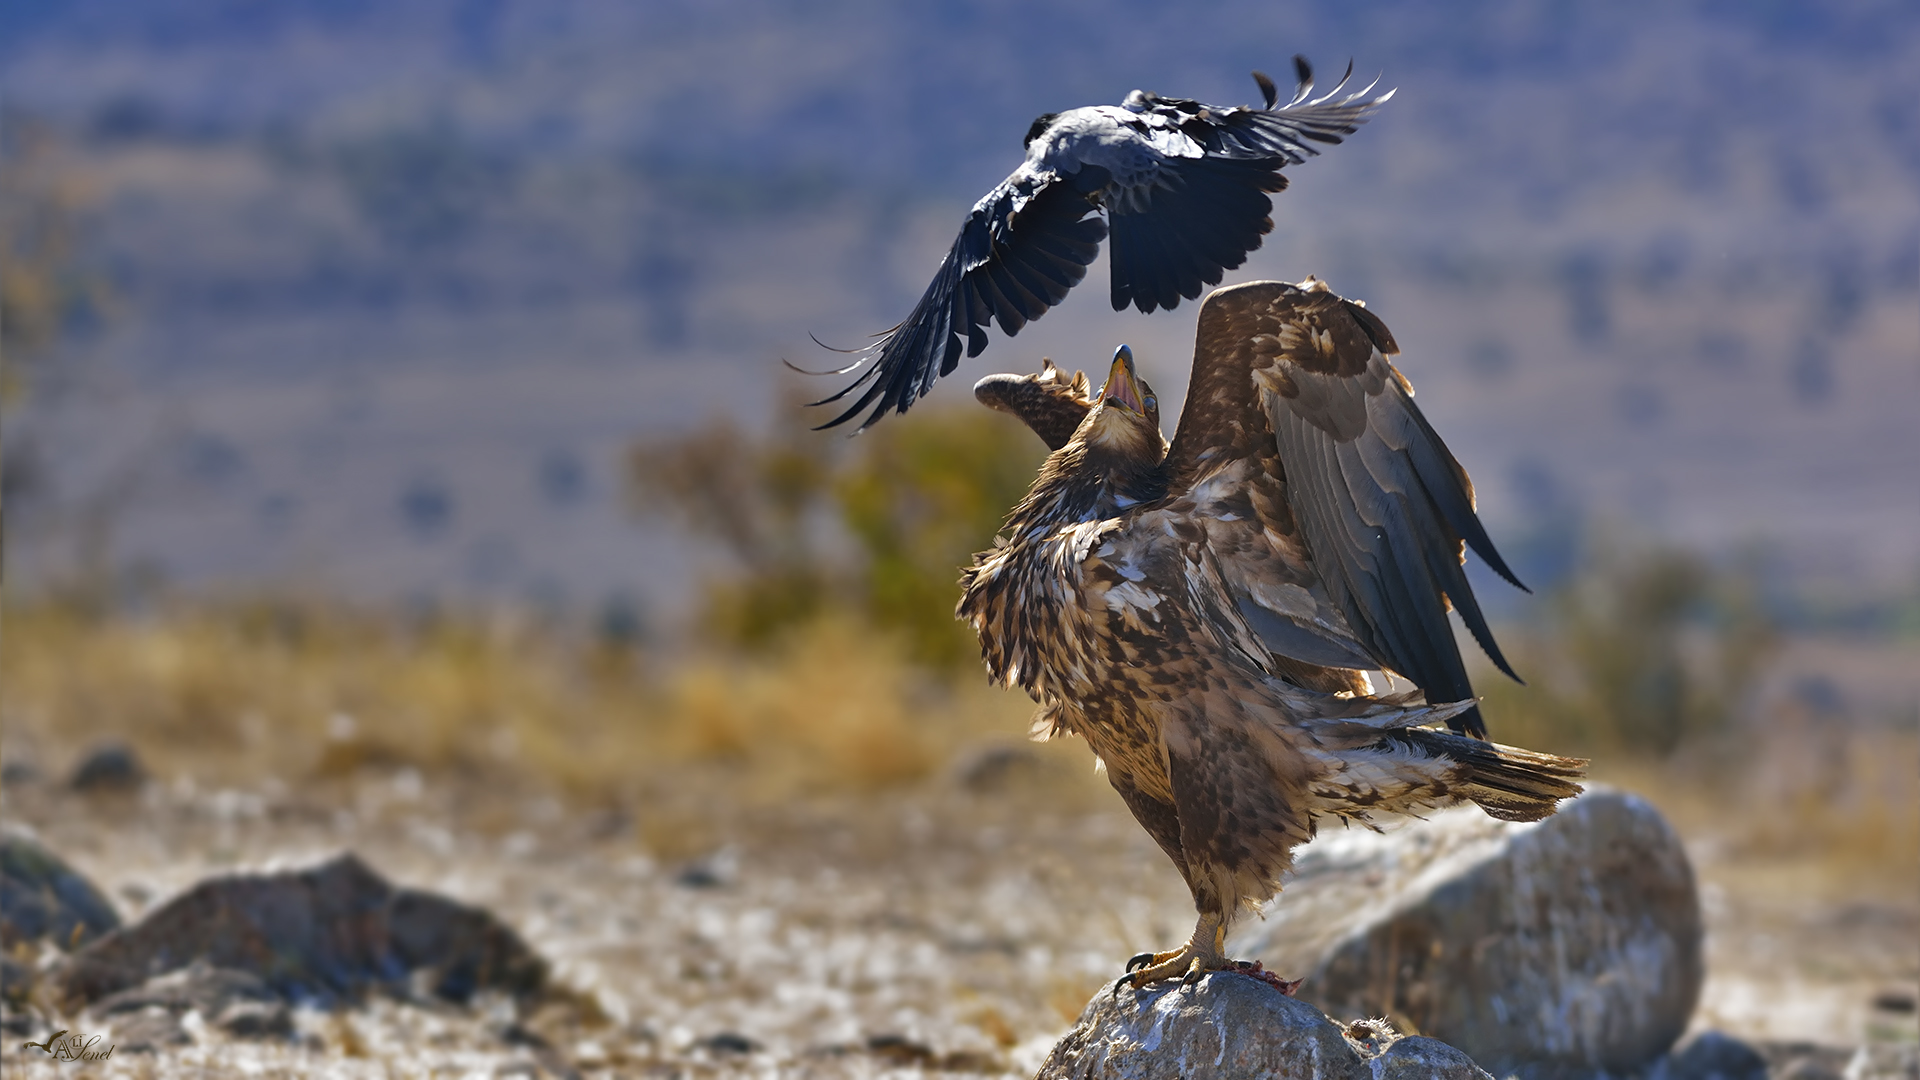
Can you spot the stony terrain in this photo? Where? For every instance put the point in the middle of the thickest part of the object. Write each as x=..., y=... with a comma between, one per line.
x=960, y=927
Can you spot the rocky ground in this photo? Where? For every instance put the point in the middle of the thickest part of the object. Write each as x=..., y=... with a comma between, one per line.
x=957, y=927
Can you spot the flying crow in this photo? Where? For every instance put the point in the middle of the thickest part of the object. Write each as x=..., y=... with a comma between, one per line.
x=1184, y=188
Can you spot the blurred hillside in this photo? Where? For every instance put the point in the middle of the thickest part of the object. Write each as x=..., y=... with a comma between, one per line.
x=394, y=286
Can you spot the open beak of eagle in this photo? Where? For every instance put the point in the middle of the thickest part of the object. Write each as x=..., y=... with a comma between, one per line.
x=1123, y=386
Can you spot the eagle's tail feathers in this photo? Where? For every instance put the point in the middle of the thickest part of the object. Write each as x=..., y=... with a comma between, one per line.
x=1508, y=782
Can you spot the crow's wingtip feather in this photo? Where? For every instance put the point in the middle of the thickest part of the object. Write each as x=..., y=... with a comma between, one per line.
x=1269, y=93
x=791, y=366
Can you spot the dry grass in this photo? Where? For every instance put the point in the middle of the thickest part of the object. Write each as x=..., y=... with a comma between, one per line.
x=312, y=694
x=1842, y=808
x=307, y=693
x=301, y=692
x=1766, y=781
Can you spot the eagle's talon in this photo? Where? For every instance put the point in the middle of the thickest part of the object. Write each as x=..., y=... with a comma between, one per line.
x=1138, y=961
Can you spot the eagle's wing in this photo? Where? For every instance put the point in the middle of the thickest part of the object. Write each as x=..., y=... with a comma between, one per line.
x=1242, y=750
x=1380, y=503
x=1022, y=248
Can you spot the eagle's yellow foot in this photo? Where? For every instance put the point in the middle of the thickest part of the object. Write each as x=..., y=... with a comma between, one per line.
x=1188, y=962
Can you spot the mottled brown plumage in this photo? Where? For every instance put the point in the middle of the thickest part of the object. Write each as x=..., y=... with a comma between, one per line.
x=1180, y=610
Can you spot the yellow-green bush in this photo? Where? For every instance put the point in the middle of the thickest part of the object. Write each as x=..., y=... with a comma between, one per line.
x=876, y=527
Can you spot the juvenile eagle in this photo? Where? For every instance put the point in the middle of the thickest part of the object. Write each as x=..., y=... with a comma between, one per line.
x=1184, y=186
x=1202, y=614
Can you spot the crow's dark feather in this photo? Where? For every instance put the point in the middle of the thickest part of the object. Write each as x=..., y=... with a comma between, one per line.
x=1192, y=215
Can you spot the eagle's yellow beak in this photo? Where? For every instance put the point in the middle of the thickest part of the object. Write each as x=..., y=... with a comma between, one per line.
x=1122, y=387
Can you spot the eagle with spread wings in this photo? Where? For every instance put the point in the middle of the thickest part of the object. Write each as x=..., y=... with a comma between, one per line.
x=1183, y=188
x=1204, y=613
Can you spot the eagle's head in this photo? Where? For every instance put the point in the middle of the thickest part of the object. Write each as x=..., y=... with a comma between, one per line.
x=1109, y=465
x=1123, y=427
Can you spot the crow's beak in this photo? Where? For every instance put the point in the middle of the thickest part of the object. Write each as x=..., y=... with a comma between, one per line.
x=1122, y=387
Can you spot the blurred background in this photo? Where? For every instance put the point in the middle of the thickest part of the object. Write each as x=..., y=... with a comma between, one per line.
x=395, y=389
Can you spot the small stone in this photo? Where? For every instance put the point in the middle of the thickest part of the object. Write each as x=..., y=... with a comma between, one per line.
x=899, y=1050
x=43, y=897
x=147, y=1032
x=715, y=871
x=239, y=1002
x=1807, y=1068
x=256, y=1020
x=1711, y=1055
x=729, y=1042
x=211, y=990
x=996, y=769
x=973, y=1061
x=1804, y=1060
x=1884, y=1061
x=1894, y=1000
x=1421, y=1058
x=110, y=767
x=515, y=1033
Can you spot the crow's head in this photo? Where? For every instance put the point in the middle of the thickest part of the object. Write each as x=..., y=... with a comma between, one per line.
x=1040, y=127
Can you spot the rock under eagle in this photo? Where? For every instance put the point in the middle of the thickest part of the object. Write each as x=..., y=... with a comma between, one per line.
x=1203, y=613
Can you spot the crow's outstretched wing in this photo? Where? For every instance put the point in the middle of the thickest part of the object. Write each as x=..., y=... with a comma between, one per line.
x=1296, y=379
x=1023, y=246
x=1201, y=222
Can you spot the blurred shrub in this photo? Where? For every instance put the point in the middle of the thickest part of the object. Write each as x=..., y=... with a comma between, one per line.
x=756, y=501
x=43, y=282
x=816, y=524
x=1643, y=654
x=46, y=288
